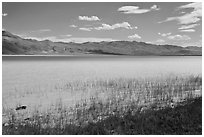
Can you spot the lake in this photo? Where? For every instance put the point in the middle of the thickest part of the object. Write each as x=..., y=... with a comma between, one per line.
x=33, y=74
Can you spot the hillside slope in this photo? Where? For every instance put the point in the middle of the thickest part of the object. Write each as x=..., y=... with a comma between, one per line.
x=15, y=45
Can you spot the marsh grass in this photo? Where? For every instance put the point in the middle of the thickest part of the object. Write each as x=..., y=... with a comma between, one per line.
x=83, y=103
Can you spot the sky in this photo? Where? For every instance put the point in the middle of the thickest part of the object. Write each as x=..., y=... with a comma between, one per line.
x=175, y=23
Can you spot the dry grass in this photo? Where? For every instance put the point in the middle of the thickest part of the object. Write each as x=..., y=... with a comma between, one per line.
x=80, y=103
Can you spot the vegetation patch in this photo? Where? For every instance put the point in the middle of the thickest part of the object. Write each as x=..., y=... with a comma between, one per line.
x=167, y=105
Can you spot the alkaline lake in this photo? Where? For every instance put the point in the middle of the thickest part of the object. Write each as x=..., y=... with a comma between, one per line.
x=22, y=72
x=42, y=82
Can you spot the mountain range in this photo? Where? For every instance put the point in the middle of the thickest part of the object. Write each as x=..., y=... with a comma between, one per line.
x=15, y=45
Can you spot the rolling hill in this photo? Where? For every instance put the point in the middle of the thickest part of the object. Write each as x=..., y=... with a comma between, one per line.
x=15, y=45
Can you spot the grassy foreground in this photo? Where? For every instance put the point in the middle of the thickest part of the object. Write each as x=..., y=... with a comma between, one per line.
x=170, y=105
x=183, y=119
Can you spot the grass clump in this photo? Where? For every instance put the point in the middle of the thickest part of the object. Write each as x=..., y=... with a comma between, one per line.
x=118, y=106
x=186, y=118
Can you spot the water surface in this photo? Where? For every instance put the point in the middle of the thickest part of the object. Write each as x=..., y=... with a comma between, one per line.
x=28, y=72
x=40, y=82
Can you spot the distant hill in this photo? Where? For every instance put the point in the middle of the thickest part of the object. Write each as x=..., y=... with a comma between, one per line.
x=15, y=45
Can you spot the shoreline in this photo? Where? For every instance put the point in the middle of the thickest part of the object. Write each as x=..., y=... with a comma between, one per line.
x=105, y=100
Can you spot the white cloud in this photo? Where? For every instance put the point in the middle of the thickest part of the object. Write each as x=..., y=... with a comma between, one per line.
x=195, y=5
x=44, y=30
x=132, y=10
x=155, y=7
x=85, y=29
x=178, y=37
x=187, y=30
x=188, y=26
x=104, y=26
x=135, y=27
x=182, y=12
x=164, y=34
x=185, y=19
x=125, y=25
x=197, y=43
x=92, y=18
x=188, y=18
x=67, y=35
x=4, y=14
x=40, y=31
x=73, y=26
x=160, y=41
x=135, y=36
x=136, y=9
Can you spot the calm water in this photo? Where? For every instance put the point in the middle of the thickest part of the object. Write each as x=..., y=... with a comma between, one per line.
x=29, y=72
x=39, y=82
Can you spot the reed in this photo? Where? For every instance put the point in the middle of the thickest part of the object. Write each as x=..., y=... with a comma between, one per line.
x=81, y=103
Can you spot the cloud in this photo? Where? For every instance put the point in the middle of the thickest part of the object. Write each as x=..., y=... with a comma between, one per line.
x=197, y=43
x=44, y=30
x=155, y=7
x=40, y=31
x=164, y=34
x=189, y=26
x=132, y=10
x=187, y=30
x=178, y=37
x=182, y=12
x=85, y=29
x=135, y=36
x=67, y=35
x=73, y=26
x=135, y=27
x=125, y=25
x=92, y=18
x=160, y=41
x=4, y=14
x=136, y=9
x=195, y=5
x=188, y=18
x=104, y=26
